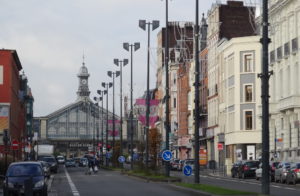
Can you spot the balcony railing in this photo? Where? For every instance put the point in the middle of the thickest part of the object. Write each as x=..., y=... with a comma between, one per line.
x=289, y=102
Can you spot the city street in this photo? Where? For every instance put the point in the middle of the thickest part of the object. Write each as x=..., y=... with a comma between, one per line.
x=106, y=183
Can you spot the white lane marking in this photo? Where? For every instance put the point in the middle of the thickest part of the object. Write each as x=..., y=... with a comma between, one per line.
x=72, y=185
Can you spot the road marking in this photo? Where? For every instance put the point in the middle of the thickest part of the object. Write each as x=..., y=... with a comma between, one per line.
x=72, y=185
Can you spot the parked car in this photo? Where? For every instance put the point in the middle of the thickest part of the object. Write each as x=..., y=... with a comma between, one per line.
x=83, y=162
x=46, y=168
x=60, y=159
x=258, y=171
x=77, y=161
x=247, y=169
x=281, y=171
x=52, y=162
x=235, y=169
x=190, y=162
x=70, y=163
x=293, y=174
x=19, y=173
x=174, y=164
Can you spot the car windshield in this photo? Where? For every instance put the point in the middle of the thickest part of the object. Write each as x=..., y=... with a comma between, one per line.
x=176, y=161
x=24, y=170
x=49, y=159
x=252, y=164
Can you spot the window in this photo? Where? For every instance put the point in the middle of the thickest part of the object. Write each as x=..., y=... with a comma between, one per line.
x=272, y=56
x=1, y=74
x=295, y=45
x=248, y=120
x=248, y=93
x=248, y=63
x=174, y=102
x=287, y=49
x=279, y=53
x=174, y=78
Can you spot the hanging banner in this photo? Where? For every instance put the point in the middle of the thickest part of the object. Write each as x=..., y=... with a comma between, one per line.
x=142, y=108
x=115, y=132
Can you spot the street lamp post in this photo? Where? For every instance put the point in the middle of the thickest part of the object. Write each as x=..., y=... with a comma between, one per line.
x=107, y=86
x=121, y=64
x=101, y=98
x=196, y=84
x=113, y=75
x=142, y=25
x=136, y=46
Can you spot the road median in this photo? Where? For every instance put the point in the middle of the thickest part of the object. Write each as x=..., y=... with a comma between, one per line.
x=151, y=177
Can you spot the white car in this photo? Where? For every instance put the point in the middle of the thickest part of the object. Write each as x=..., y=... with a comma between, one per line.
x=60, y=159
x=258, y=172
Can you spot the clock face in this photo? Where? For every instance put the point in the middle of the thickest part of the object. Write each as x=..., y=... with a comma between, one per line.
x=83, y=81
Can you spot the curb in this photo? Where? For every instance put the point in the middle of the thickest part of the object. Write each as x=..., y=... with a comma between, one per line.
x=152, y=179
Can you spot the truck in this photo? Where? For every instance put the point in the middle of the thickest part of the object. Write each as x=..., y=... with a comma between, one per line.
x=44, y=150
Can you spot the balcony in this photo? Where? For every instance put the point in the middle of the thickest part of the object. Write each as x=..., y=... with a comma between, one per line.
x=288, y=103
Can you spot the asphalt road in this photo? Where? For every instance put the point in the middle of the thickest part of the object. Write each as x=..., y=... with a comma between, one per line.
x=250, y=185
x=74, y=182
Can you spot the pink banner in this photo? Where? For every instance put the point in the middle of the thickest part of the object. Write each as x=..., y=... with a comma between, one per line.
x=110, y=128
x=142, y=108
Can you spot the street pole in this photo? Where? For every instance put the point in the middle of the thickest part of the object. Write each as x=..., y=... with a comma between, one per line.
x=121, y=64
x=136, y=47
x=102, y=130
x=196, y=84
x=113, y=75
x=143, y=24
x=107, y=86
x=167, y=122
x=265, y=75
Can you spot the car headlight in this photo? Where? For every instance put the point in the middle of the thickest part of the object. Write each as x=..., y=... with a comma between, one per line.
x=10, y=185
x=39, y=184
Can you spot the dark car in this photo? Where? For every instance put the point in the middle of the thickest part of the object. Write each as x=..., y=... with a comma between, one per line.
x=83, y=162
x=19, y=175
x=175, y=164
x=247, y=169
x=235, y=169
x=293, y=174
x=70, y=163
x=51, y=161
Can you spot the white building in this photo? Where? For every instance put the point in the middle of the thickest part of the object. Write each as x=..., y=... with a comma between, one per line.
x=239, y=98
x=284, y=83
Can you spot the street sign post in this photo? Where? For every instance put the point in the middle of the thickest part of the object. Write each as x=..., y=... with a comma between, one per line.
x=187, y=170
x=167, y=155
x=121, y=159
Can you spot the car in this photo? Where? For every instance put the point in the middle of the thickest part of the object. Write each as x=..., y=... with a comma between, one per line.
x=77, y=160
x=51, y=161
x=258, y=171
x=293, y=174
x=83, y=162
x=46, y=168
x=281, y=171
x=21, y=173
x=70, y=163
x=247, y=168
x=235, y=169
x=60, y=159
x=174, y=164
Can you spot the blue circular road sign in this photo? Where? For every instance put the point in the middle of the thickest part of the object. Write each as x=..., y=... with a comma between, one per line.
x=108, y=155
x=187, y=170
x=121, y=159
x=167, y=155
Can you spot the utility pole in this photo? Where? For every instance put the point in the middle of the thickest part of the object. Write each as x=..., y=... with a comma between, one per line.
x=265, y=75
x=196, y=84
x=136, y=46
x=143, y=24
x=121, y=64
x=107, y=86
x=167, y=97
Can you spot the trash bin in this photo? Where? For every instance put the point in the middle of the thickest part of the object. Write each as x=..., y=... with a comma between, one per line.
x=212, y=164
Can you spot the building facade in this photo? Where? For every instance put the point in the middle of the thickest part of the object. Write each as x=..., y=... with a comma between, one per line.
x=284, y=83
x=239, y=99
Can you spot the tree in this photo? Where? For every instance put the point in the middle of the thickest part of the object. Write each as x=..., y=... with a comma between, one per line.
x=154, y=146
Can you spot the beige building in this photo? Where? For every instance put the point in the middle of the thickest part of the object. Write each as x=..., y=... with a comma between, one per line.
x=239, y=98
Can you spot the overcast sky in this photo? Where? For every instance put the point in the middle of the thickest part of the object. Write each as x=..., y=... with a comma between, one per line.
x=51, y=35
